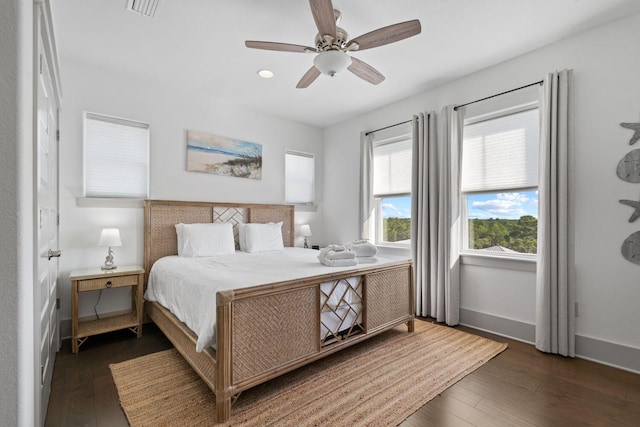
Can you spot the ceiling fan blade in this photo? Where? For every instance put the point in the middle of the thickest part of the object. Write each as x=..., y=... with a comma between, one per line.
x=386, y=35
x=365, y=71
x=322, y=11
x=281, y=47
x=308, y=78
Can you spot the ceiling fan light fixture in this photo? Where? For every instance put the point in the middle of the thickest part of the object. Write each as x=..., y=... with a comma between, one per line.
x=332, y=62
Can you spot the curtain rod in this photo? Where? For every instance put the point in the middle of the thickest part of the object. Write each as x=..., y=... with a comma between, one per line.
x=498, y=94
x=387, y=127
x=463, y=105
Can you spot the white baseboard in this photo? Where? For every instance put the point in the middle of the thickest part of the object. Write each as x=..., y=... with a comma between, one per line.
x=509, y=328
x=608, y=353
x=604, y=352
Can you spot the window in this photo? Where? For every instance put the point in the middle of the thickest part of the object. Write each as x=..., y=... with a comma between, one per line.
x=299, y=171
x=392, y=191
x=499, y=182
x=116, y=157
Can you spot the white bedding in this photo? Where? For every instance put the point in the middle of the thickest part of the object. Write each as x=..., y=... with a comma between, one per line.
x=188, y=286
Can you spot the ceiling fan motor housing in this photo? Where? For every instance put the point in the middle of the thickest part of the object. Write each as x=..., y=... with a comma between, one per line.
x=327, y=42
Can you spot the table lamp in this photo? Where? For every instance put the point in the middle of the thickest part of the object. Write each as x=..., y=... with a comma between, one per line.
x=305, y=231
x=109, y=237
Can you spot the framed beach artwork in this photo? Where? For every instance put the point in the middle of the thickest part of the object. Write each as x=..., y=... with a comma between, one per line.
x=223, y=156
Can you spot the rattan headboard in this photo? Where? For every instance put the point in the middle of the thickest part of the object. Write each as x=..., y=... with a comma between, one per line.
x=160, y=217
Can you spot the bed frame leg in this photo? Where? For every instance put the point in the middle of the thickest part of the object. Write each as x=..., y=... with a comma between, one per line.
x=223, y=409
x=411, y=325
x=224, y=363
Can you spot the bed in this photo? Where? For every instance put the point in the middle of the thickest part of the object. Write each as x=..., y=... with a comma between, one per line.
x=272, y=327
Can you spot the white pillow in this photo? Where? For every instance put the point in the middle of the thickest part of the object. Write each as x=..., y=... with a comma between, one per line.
x=263, y=237
x=198, y=240
x=242, y=236
x=179, y=228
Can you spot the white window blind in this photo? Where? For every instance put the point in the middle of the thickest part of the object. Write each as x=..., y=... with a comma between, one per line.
x=392, y=168
x=116, y=157
x=501, y=153
x=299, y=171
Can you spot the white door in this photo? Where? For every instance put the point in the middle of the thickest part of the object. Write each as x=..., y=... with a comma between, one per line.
x=47, y=332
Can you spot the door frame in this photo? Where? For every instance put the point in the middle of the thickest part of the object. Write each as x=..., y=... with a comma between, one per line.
x=42, y=35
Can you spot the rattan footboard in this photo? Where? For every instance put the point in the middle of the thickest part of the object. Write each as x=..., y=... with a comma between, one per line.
x=265, y=331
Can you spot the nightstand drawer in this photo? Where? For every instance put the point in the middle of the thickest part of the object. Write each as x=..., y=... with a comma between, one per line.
x=107, y=282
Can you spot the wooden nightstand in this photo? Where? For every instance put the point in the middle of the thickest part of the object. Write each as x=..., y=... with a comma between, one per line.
x=95, y=279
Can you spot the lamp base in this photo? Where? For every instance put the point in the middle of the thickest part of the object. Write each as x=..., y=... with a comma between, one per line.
x=108, y=267
x=306, y=245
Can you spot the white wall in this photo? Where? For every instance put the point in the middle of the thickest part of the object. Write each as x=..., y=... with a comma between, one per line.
x=170, y=115
x=606, y=61
x=17, y=380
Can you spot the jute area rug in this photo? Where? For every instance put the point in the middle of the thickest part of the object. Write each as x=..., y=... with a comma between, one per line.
x=379, y=382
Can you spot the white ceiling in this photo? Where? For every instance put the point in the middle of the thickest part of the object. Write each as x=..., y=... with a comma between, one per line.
x=197, y=46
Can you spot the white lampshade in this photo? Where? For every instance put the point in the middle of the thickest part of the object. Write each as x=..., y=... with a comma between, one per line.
x=332, y=62
x=305, y=230
x=110, y=237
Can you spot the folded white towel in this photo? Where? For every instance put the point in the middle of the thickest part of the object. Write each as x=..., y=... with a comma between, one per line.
x=333, y=252
x=367, y=259
x=362, y=248
x=337, y=256
x=339, y=262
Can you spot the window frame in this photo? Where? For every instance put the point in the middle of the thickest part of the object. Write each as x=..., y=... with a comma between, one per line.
x=379, y=222
x=313, y=176
x=122, y=121
x=400, y=135
x=464, y=249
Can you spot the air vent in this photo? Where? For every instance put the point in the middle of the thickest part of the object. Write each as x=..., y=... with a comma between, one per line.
x=143, y=7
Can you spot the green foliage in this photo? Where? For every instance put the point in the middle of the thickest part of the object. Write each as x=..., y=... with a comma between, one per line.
x=396, y=229
x=520, y=235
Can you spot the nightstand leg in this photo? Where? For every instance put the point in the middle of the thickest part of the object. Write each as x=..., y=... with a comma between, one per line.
x=74, y=316
x=139, y=303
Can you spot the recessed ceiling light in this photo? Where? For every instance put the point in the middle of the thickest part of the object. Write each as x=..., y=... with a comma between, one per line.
x=265, y=74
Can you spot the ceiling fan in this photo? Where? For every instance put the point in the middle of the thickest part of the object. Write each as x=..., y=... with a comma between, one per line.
x=332, y=44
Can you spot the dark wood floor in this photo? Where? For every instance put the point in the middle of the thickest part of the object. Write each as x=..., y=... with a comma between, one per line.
x=82, y=390
x=519, y=387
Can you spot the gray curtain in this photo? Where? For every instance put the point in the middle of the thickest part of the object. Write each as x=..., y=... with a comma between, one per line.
x=555, y=284
x=366, y=184
x=425, y=214
x=434, y=216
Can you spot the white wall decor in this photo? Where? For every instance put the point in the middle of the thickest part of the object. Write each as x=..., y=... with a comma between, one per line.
x=629, y=167
x=632, y=126
x=631, y=248
x=636, y=205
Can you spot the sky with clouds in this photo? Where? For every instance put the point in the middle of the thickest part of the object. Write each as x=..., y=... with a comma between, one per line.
x=396, y=207
x=510, y=205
